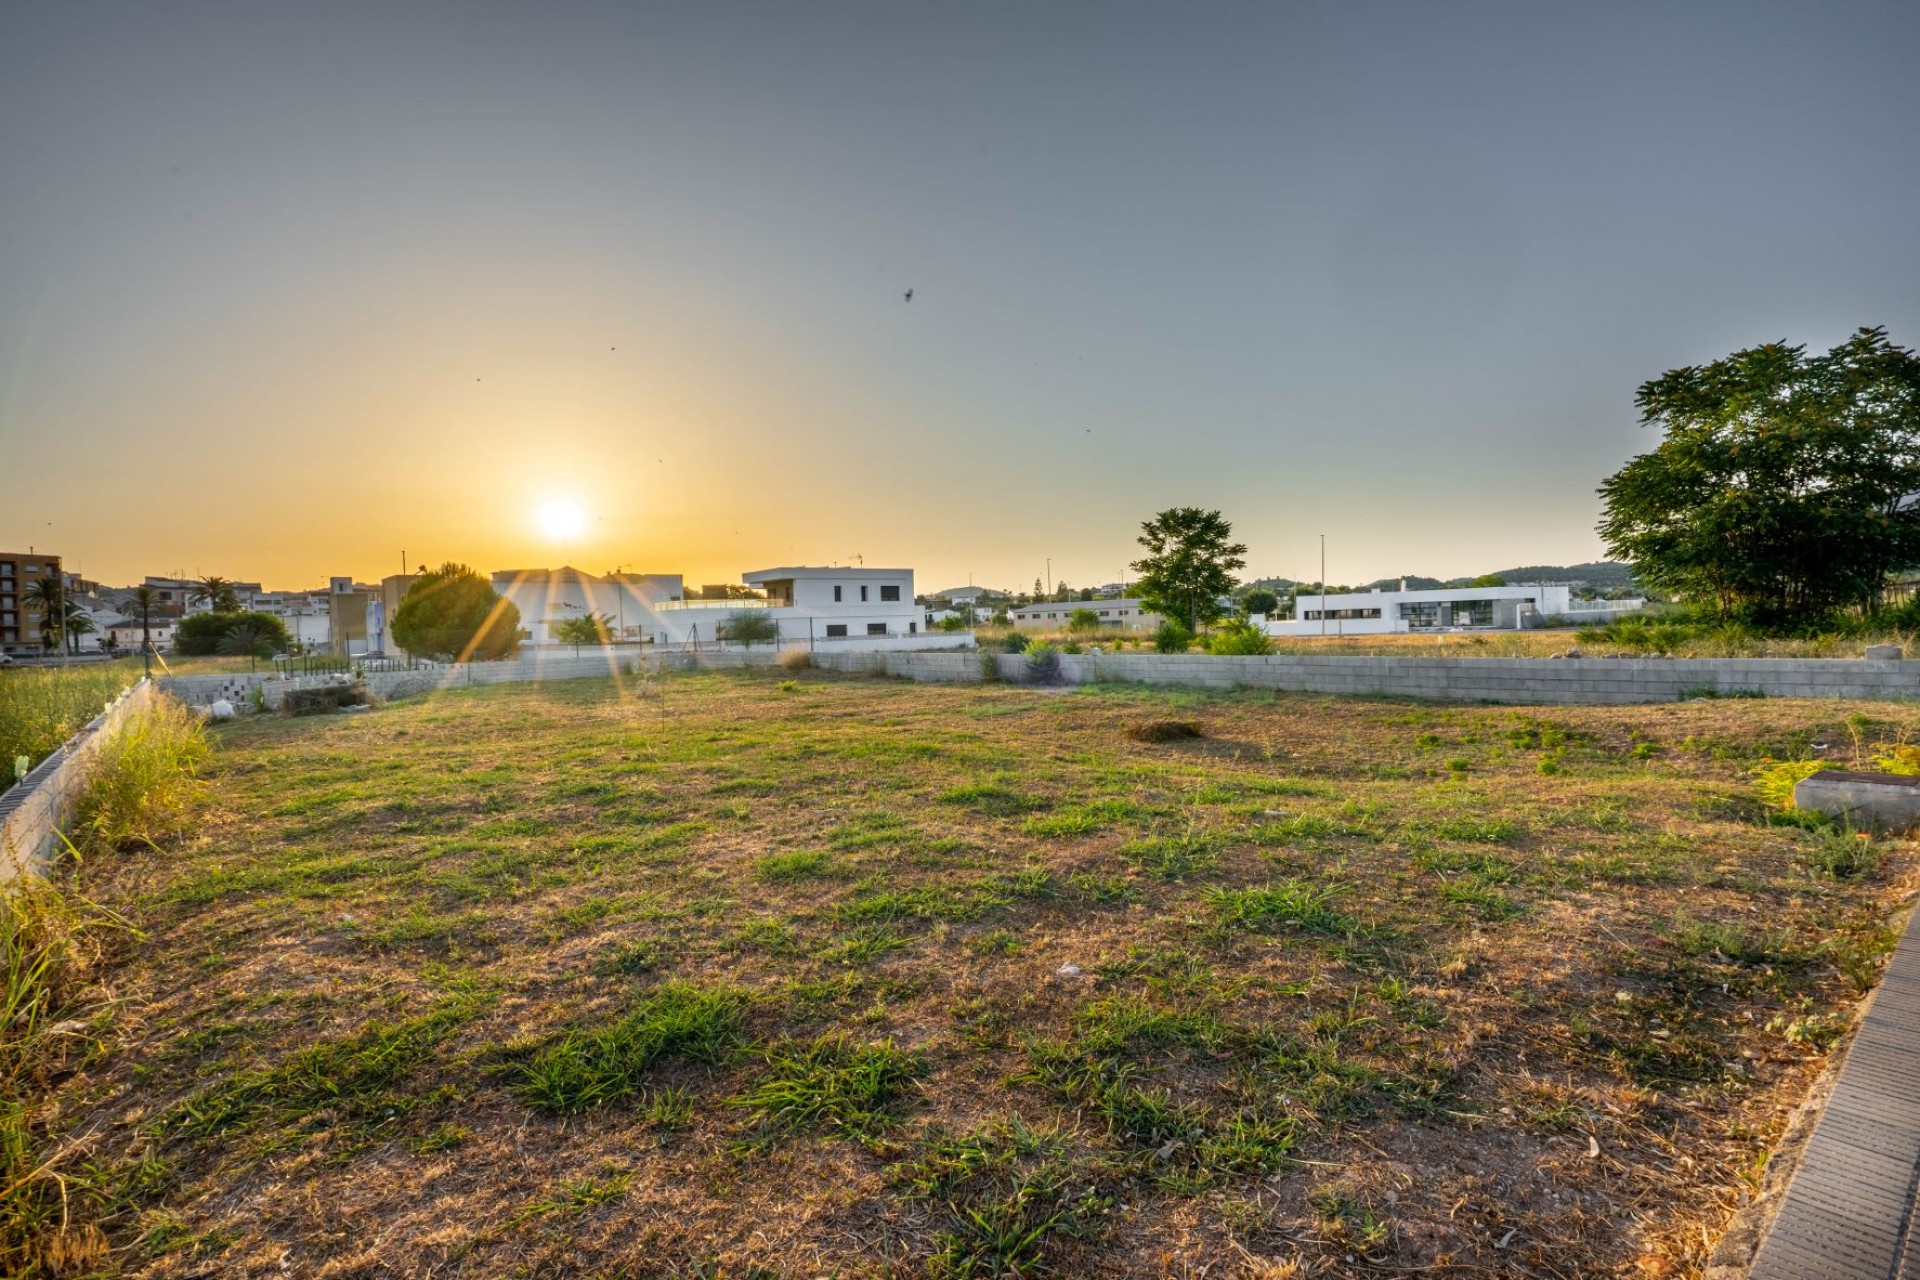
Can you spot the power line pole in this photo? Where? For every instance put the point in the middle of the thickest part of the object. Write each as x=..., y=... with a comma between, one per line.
x=1323, y=586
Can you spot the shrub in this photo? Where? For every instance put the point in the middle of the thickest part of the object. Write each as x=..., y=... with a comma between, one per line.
x=201, y=634
x=795, y=660
x=1083, y=622
x=1773, y=779
x=1043, y=664
x=1015, y=642
x=325, y=698
x=1172, y=638
x=1238, y=639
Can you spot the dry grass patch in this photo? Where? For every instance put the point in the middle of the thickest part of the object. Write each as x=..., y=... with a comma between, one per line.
x=873, y=979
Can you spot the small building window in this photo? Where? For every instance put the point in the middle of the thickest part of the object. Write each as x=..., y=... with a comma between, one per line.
x=836, y=629
x=863, y=593
x=913, y=628
x=889, y=594
x=876, y=628
x=836, y=599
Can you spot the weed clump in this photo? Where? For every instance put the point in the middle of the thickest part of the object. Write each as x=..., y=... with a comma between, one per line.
x=1165, y=731
x=832, y=1085
x=581, y=1070
x=146, y=780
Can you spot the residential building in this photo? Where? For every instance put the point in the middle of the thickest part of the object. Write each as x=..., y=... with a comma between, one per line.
x=125, y=633
x=821, y=605
x=1123, y=614
x=1509, y=608
x=20, y=619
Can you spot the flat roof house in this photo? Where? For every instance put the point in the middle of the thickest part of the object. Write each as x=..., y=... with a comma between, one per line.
x=1509, y=608
x=1052, y=615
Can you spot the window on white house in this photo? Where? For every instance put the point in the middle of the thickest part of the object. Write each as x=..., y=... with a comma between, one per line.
x=890, y=593
x=863, y=594
x=836, y=599
x=876, y=628
x=835, y=629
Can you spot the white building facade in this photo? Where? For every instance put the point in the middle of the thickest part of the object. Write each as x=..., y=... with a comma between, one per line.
x=1506, y=608
x=824, y=605
x=1123, y=614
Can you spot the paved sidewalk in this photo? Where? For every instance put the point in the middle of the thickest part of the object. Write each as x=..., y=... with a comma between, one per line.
x=1848, y=1213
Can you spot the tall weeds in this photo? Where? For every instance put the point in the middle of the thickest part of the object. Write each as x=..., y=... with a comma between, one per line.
x=43, y=707
x=54, y=947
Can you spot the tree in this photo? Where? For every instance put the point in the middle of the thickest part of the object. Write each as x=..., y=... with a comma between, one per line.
x=143, y=602
x=454, y=611
x=1488, y=580
x=200, y=634
x=591, y=629
x=49, y=597
x=1776, y=494
x=74, y=623
x=216, y=593
x=1083, y=622
x=748, y=626
x=1189, y=564
x=1260, y=601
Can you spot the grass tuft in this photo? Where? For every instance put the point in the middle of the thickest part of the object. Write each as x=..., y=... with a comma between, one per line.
x=580, y=1070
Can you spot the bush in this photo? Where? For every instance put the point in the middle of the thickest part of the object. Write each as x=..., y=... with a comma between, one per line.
x=794, y=660
x=453, y=611
x=1164, y=731
x=1016, y=642
x=325, y=698
x=1238, y=639
x=1172, y=638
x=1082, y=622
x=201, y=634
x=1043, y=664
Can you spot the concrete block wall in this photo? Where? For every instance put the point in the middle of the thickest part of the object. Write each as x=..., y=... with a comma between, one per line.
x=33, y=813
x=1512, y=680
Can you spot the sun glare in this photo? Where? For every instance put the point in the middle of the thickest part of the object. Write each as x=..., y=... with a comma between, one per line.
x=562, y=519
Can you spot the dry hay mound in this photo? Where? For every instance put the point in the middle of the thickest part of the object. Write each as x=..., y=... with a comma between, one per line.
x=1164, y=731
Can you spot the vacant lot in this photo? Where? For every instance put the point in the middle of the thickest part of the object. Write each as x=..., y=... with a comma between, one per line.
x=742, y=976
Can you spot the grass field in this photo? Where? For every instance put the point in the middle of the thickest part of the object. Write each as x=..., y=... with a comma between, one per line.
x=742, y=975
x=41, y=707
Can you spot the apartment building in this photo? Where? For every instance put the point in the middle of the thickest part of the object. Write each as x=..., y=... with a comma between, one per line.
x=20, y=619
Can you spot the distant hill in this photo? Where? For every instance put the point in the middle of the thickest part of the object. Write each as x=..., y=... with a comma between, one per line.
x=1602, y=574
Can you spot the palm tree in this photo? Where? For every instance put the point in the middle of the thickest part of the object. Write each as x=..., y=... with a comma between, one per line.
x=144, y=601
x=49, y=596
x=216, y=593
x=74, y=623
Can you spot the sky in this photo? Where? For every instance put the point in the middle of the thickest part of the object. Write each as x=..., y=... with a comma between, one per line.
x=289, y=291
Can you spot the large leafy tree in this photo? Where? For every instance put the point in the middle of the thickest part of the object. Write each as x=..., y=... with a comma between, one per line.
x=1189, y=564
x=261, y=634
x=453, y=610
x=1776, y=494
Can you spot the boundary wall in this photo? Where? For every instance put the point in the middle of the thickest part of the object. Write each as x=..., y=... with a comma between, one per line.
x=1510, y=680
x=1515, y=680
x=32, y=813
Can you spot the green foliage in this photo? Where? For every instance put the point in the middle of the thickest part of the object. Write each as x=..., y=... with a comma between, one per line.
x=750, y=627
x=1189, y=564
x=1043, y=663
x=1289, y=904
x=590, y=629
x=832, y=1085
x=201, y=634
x=1083, y=622
x=1172, y=637
x=1773, y=495
x=1237, y=639
x=453, y=611
x=1259, y=600
x=146, y=781
x=41, y=707
x=1015, y=642
x=586, y=1068
x=1773, y=779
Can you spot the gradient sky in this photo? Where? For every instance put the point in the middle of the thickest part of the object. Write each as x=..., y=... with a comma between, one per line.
x=288, y=289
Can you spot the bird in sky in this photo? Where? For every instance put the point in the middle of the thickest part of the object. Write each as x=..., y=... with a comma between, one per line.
x=909, y=295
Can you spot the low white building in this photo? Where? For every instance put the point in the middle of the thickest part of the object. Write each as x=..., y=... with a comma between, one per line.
x=1508, y=608
x=1123, y=614
x=807, y=604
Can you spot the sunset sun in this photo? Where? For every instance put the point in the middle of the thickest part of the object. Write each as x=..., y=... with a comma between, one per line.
x=562, y=519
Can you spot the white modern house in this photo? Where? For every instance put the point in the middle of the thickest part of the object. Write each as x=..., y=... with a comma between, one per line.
x=819, y=605
x=1506, y=608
